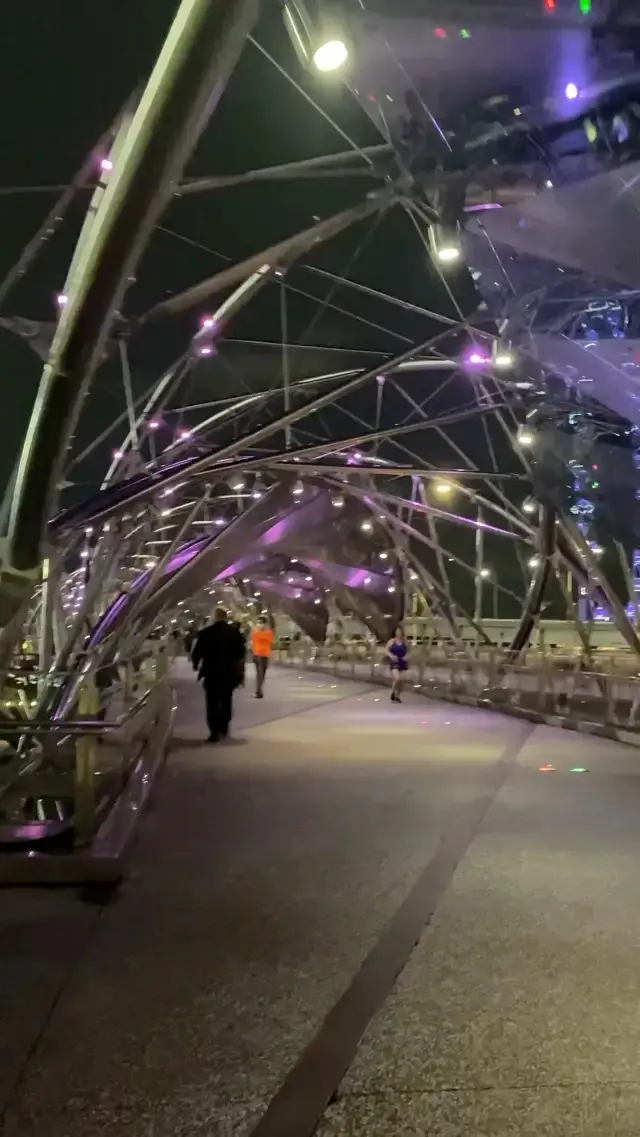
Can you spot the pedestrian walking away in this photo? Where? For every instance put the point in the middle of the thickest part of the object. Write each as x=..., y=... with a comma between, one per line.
x=218, y=657
x=261, y=644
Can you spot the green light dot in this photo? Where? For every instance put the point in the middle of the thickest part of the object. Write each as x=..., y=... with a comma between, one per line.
x=579, y=770
x=465, y=33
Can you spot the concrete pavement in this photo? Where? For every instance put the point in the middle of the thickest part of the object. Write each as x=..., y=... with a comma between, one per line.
x=279, y=887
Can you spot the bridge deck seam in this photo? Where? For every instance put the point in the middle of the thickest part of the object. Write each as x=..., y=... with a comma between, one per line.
x=302, y=1099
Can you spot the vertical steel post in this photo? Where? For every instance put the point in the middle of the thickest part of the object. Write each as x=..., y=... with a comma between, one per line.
x=85, y=803
x=50, y=583
x=479, y=581
x=286, y=370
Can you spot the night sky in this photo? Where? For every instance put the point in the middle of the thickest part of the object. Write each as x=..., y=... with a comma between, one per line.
x=62, y=82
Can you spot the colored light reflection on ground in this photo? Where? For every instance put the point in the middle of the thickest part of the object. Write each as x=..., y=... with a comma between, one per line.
x=547, y=769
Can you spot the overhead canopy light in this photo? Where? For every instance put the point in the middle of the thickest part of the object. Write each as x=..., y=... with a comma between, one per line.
x=503, y=359
x=525, y=436
x=317, y=34
x=502, y=354
x=444, y=235
x=331, y=55
x=444, y=489
x=448, y=253
x=445, y=245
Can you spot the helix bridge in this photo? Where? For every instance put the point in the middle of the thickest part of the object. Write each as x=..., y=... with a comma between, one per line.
x=415, y=399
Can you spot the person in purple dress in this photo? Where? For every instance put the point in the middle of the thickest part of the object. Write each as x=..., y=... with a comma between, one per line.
x=397, y=655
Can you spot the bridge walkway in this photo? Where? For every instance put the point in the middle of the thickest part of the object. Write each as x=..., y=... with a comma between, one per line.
x=391, y=909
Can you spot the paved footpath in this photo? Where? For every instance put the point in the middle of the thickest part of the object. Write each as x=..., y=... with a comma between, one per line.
x=360, y=918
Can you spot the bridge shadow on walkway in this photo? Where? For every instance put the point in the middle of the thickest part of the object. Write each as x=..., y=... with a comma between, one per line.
x=270, y=869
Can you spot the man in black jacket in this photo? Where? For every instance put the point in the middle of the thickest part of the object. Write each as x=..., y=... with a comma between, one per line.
x=218, y=657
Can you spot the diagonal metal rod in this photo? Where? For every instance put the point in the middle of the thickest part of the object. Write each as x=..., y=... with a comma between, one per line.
x=150, y=401
x=298, y=292
x=391, y=471
x=385, y=296
x=308, y=167
x=282, y=253
x=55, y=216
x=425, y=507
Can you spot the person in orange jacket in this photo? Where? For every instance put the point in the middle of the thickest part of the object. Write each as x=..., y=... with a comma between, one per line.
x=261, y=644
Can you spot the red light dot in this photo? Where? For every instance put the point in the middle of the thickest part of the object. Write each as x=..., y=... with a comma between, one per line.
x=546, y=769
x=371, y=98
x=440, y=33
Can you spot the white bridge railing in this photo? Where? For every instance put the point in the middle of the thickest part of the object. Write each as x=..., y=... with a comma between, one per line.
x=542, y=686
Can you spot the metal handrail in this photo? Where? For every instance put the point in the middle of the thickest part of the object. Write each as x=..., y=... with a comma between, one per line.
x=79, y=726
x=612, y=699
x=64, y=754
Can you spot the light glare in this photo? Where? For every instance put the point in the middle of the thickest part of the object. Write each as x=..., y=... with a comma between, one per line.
x=447, y=254
x=503, y=359
x=330, y=56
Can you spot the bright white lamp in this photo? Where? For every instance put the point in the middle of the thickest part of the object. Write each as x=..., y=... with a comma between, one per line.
x=330, y=56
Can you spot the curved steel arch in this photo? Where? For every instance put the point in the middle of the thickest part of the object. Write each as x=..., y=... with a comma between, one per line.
x=198, y=56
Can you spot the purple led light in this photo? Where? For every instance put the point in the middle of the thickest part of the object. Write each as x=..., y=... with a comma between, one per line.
x=571, y=91
x=477, y=359
x=482, y=207
x=106, y=165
